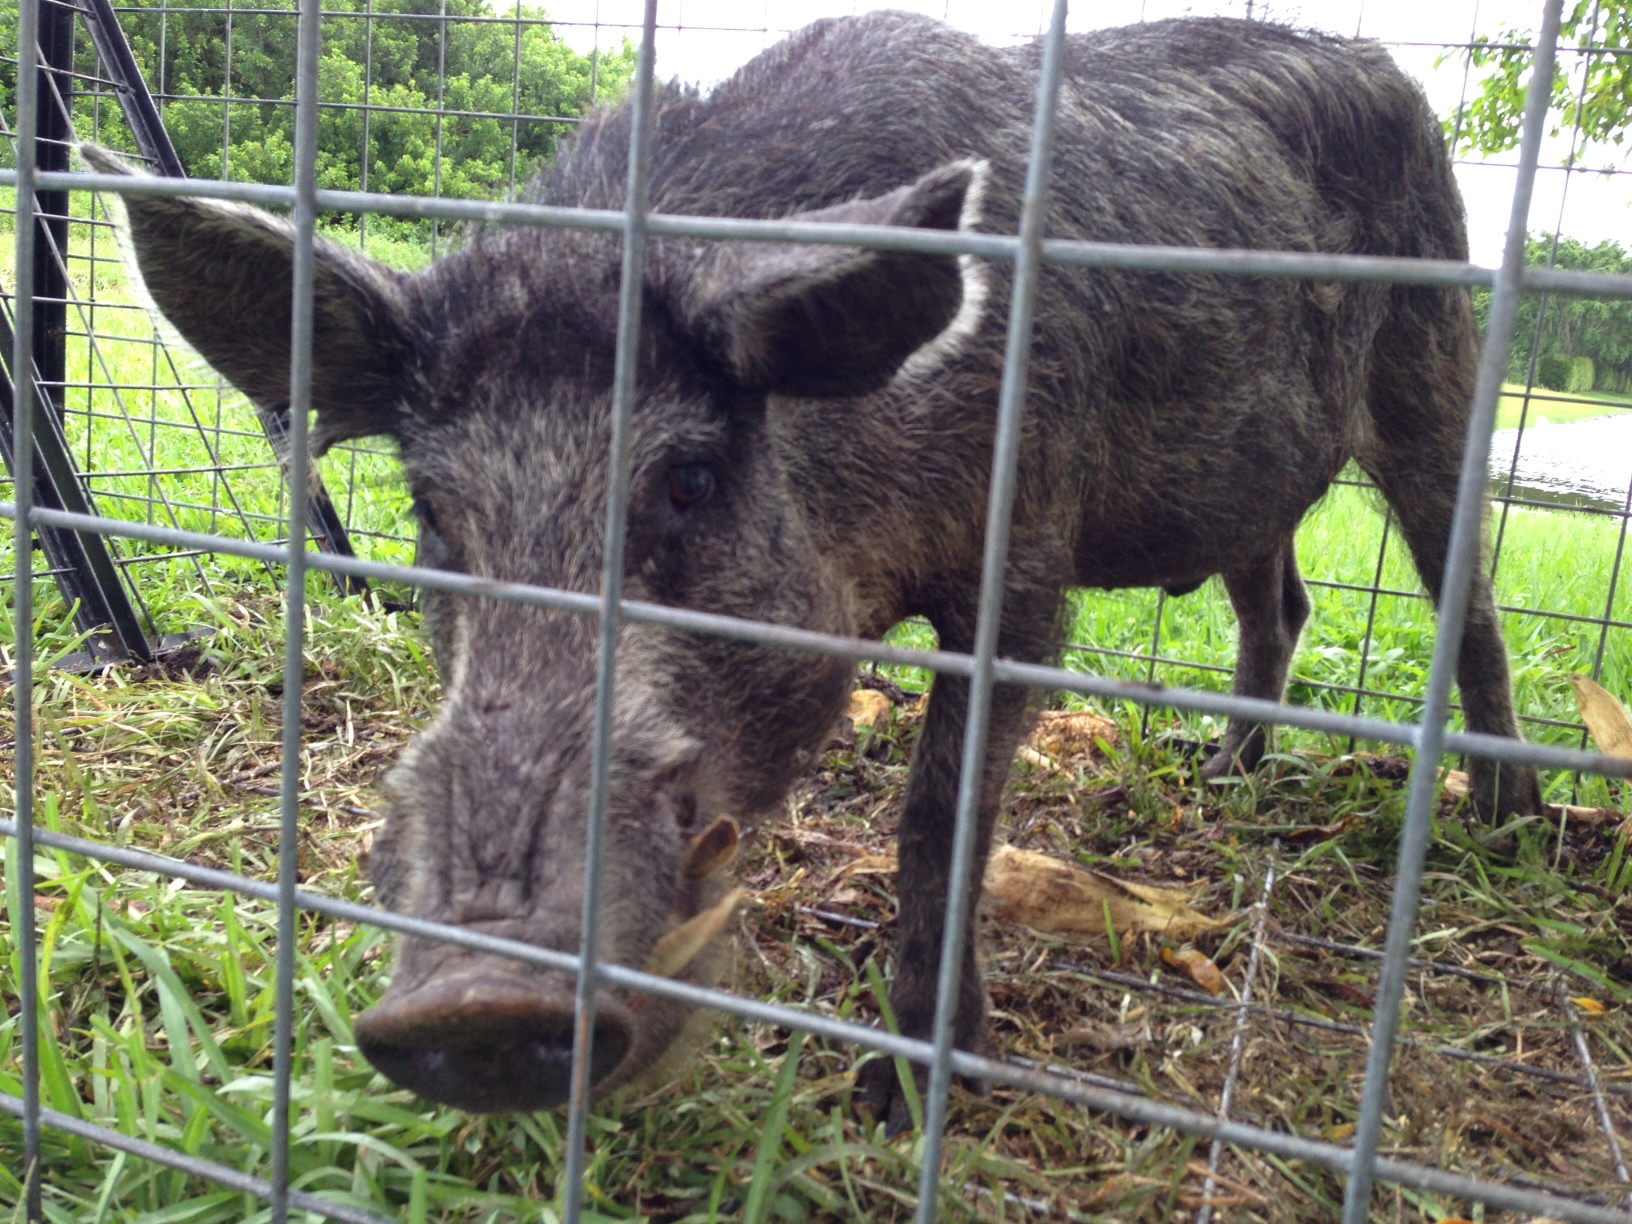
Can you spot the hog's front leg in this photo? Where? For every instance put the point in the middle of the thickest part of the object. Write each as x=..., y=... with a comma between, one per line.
x=924, y=847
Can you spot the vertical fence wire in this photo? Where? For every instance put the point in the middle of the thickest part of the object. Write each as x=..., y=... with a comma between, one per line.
x=368, y=116
x=226, y=95
x=515, y=103
x=309, y=36
x=1506, y=493
x=1366, y=647
x=1595, y=1083
x=625, y=368
x=22, y=664
x=1238, y=1044
x=1614, y=588
x=999, y=511
x=441, y=99
x=1466, y=529
x=1544, y=300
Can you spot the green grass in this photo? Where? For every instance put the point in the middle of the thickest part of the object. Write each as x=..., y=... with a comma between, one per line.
x=1556, y=407
x=157, y=998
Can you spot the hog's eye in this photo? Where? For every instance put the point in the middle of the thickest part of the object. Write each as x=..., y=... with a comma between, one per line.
x=685, y=812
x=426, y=515
x=690, y=484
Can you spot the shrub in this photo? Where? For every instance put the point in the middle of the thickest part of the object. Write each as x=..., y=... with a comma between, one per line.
x=1582, y=375
x=1553, y=372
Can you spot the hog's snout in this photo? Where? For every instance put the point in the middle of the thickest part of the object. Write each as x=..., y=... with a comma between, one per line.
x=488, y=1040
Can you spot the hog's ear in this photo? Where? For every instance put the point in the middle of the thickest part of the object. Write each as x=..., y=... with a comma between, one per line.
x=819, y=321
x=221, y=274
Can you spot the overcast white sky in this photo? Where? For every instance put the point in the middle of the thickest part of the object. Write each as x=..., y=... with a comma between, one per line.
x=704, y=41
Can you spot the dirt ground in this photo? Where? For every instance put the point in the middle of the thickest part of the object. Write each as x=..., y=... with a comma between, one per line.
x=1489, y=1082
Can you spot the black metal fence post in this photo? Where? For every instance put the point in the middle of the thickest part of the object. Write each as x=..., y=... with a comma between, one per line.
x=79, y=561
x=146, y=125
x=53, y=132
x=82, y=564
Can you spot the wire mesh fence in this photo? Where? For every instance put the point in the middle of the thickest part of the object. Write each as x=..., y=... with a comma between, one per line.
x=183, y=478
x=133, y=398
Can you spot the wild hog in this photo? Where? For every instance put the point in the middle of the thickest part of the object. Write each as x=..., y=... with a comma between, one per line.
x=811, y=446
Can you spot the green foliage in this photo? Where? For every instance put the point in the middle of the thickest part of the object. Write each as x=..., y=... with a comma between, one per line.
x=1586, y=343
x=1592, y=91
x=1557, y=372
x=468, y=107
x=1553, y=371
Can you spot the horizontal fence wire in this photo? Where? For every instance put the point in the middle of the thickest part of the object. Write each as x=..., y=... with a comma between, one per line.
x=1127, y=257
x=864, y=650
x=288, y=552
x=193, y=1166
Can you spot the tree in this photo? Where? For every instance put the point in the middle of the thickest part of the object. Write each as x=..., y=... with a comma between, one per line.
x=1592, y=88
x=1586, y=343
x=436, y=76
x=412, y=58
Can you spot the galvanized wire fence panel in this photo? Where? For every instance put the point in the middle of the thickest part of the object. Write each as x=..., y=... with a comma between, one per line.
x=147, y=448
x=237, y=510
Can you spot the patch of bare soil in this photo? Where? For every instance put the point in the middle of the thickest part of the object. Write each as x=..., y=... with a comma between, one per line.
x=1522, y=964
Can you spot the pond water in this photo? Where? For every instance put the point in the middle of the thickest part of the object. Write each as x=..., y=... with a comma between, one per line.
x=1582, y=462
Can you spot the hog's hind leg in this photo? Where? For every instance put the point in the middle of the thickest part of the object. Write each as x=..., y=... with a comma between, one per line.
x=1271, y=607
x=1419, y=396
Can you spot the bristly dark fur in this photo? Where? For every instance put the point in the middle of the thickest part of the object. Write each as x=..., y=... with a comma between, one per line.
x=837, y=409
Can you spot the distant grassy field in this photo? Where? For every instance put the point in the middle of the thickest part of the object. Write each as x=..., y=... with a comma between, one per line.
x=1556, y=407
x=1554, y=562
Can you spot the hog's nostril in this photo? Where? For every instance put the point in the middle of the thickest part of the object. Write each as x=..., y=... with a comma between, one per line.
x=487, y=1044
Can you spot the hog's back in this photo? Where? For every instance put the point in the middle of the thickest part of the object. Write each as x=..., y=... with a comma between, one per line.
x=1172, y=420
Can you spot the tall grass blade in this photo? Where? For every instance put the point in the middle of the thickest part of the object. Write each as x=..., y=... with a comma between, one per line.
x=903, y=1067
x=770, y=1138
